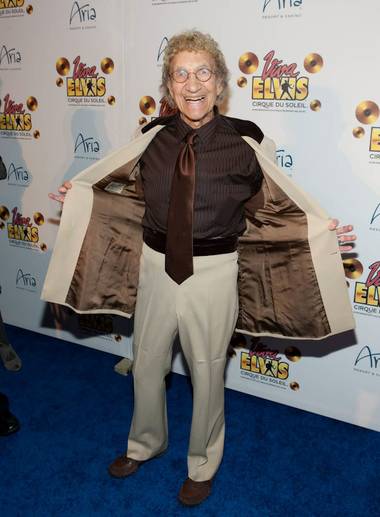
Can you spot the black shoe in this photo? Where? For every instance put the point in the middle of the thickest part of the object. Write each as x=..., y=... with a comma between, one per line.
x=4, y=404
x=8, y=423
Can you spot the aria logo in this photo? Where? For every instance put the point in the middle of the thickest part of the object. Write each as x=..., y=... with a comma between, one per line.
x=10, y=58
x=161, y=49
x=284, y=159
x=280, y=5
x=86, y=147
x=26, y=281
x=375, y=215
x=18, y=176
x=366, y=359
x=81, y=14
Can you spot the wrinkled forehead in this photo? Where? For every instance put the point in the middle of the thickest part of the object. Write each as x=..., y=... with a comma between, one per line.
x=191, y=60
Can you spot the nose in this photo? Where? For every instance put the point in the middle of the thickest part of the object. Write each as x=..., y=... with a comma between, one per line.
x=193, y=84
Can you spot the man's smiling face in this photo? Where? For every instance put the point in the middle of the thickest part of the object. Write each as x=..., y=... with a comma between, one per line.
x=195, y=99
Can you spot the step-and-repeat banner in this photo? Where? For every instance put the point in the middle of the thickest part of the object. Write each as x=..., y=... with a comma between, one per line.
x=77, y=79
x=63, y=105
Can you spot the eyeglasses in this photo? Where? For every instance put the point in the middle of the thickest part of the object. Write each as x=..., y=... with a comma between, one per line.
x=181, y=75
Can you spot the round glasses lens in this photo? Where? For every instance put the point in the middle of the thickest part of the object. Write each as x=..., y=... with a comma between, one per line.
x=180, y=76
x=203, y=74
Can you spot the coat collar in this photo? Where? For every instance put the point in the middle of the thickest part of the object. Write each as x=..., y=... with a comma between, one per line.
x=243, y=127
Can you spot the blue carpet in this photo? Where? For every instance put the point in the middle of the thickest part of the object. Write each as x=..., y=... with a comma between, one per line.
x=75, y=414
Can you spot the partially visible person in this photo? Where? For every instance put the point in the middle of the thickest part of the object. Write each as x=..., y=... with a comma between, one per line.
x=8, y=422
x=10, y=359
x=3, y=170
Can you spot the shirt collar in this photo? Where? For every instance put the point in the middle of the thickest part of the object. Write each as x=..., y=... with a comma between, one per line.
x=204, y=133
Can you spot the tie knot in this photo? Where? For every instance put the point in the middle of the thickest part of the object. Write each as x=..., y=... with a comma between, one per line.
x=189, y=138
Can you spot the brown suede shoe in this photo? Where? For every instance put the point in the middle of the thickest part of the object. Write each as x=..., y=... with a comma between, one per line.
x=194, y=492
x=123, y=467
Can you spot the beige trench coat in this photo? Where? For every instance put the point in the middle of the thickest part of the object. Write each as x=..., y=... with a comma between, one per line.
x=291, y=277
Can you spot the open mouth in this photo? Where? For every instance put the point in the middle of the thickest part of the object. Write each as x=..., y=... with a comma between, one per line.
x=194, y=100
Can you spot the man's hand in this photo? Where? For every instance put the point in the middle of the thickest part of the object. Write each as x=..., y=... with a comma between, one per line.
x=345, y=239
x=62, y=192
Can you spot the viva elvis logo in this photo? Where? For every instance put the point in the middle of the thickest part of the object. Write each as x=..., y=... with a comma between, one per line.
x=279, y=81
x=14, y=116
x=22, y=229
x=85, y=81
x=265, y=362
x=11, y=4
x=368, y=292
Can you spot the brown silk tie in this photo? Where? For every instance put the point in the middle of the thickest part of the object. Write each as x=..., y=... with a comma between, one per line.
x=179, y=238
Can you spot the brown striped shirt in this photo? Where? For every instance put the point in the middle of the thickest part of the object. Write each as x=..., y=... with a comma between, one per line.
x=227, y=174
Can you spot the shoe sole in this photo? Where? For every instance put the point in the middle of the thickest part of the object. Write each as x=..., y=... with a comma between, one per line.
x=120, y=476
x=188, y=502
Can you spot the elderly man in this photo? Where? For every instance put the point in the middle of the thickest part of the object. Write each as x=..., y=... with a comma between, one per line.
x=216, y=206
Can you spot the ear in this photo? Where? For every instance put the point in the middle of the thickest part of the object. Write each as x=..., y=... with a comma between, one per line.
x=219, y=87
x=169, y=87
x=170, y=99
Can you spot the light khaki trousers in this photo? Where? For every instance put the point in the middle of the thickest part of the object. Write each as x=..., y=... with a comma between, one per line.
x=203, y=311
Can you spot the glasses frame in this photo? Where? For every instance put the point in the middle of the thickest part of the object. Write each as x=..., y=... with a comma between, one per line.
x=196, y=76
